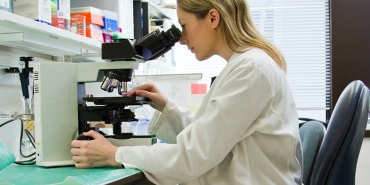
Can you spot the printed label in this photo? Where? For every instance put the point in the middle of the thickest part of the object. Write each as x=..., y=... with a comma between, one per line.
x=66, y=9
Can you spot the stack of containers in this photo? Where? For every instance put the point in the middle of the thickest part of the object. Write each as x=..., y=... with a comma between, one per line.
x=60, y=14
x=93, y=19
x=110, y=26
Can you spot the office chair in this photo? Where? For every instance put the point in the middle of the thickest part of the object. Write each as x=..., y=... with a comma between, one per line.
x=337, y=158
x=312, y=134
x=304, y=120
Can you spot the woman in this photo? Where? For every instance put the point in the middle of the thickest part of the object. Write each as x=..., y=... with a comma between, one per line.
x=245, y=131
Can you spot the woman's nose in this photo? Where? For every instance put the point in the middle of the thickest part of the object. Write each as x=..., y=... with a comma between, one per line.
x=183, y=39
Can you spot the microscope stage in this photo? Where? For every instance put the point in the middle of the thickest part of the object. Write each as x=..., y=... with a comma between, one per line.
x=136, y=100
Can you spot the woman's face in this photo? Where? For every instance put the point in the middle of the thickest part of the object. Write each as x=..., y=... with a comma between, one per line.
x=197, y=35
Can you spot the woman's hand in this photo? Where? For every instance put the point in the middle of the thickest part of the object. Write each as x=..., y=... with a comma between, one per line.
x=152, y=92
x=94, y=153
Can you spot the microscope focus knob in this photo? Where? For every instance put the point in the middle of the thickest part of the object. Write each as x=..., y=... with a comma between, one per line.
x=82, y=137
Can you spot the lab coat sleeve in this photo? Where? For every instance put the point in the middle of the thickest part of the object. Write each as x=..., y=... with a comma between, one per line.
x=166, y=125
x=235, y=104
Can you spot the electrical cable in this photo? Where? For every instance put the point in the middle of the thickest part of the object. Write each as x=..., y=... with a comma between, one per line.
x=27, y=162
x=20, y=141
x=31, y=139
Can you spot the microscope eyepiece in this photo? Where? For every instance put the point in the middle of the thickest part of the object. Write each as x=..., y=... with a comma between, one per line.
x=157, y=43
x=149, y=47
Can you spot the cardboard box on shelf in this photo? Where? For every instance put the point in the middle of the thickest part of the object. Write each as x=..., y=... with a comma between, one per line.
x=92, y=15
x=38, y=10
x=110, y=20
x=6, y=5
x=60, y=13
x=94, y=32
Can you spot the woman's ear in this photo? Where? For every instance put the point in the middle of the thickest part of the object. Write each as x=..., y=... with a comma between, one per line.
x=214, y=17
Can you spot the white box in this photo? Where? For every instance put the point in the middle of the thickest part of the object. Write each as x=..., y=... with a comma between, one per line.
x=38, y=10
x=6, y=5
x=65, y=9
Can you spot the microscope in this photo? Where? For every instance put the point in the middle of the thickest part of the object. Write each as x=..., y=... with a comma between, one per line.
x=63, y=110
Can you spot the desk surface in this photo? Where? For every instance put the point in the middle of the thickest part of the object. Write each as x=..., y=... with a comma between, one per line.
x=32, y=174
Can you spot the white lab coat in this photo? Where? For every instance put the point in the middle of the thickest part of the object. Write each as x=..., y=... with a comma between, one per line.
x=245, y=131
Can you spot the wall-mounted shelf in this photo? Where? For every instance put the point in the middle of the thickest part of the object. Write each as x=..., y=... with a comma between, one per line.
x=168, y=77
x=23, y=33
x=161, y=11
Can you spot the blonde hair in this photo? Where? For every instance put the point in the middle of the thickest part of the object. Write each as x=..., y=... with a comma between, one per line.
x=236, y=25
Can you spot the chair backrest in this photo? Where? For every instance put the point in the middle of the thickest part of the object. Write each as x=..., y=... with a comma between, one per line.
x=312, y=134
x=337, y=158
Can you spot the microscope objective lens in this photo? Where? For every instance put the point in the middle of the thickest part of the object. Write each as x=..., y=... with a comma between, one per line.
x=110, y=89
x=122, y=88
x=114, y=83
x=105, y=83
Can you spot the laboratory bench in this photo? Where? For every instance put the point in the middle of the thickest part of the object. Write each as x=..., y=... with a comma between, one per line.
x=31, y=174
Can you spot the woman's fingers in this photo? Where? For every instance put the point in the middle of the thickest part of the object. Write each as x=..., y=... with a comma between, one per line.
x=145, y=87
